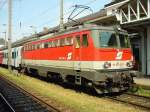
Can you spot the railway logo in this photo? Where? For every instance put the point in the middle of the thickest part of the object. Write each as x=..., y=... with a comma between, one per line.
x=69, y=56
x=119, y=55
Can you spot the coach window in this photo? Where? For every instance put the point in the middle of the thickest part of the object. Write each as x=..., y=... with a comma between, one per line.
x=6, y=55
x=32, y=47
x=17, y=53
x=37, y=46
x=12, y=55
x=77, y=42
x=68, y=41
x=46, y=45
x=29, y=47
x=58, y=43
x=85, y=40
x=42, y=45
x=62, y=42
x=49, y=44
x=26, y=47
x=53, y=44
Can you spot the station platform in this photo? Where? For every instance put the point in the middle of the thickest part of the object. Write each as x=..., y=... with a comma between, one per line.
x=143, y=82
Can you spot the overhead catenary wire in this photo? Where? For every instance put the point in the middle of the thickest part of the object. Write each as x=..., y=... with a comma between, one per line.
x=66, y=13
x=55, y=18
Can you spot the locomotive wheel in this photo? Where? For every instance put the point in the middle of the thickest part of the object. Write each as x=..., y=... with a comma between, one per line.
x=100, y=91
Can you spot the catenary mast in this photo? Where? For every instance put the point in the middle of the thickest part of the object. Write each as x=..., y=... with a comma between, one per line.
x=61, y=15
x=9, y=33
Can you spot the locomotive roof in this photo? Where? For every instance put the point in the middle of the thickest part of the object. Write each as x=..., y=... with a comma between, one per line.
x=74, y=30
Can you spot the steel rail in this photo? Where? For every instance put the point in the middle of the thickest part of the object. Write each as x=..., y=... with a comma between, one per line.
x=7, y=103
x=133, y=99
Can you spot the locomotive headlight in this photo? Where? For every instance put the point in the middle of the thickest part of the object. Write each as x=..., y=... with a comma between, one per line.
x=129, y=64
x=107, y=65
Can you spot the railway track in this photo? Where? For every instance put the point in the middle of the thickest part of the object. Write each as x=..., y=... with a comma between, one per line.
x=132, y=99
x=22, y=100
x=5, y=106
x=141, y=102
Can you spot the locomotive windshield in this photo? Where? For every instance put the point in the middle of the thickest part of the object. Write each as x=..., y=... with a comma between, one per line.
x=107, y=39
x=113, y=40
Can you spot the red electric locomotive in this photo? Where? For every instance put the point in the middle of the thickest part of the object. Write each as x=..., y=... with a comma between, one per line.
x=95, y=56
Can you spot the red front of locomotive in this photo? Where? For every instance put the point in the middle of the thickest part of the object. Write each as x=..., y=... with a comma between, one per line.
x=113, y=60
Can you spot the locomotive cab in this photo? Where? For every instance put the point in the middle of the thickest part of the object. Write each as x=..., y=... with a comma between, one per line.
x=112, y=61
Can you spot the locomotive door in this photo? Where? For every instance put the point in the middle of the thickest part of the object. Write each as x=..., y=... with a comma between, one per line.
x=77, y=53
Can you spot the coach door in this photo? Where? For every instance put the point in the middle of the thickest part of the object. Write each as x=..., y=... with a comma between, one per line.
x=14, y=57
x=77, y=52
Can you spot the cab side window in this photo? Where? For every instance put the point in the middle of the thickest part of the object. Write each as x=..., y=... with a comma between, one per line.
x=13, y=55
x=46, y=45
x=85, y=40
x=77, y=42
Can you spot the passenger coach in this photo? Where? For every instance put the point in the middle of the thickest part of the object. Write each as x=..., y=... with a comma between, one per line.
x=16, y=57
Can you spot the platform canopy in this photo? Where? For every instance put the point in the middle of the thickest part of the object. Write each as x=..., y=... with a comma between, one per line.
x=135, y=11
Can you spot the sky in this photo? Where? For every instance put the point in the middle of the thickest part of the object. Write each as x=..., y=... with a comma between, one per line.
x=30, y=16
